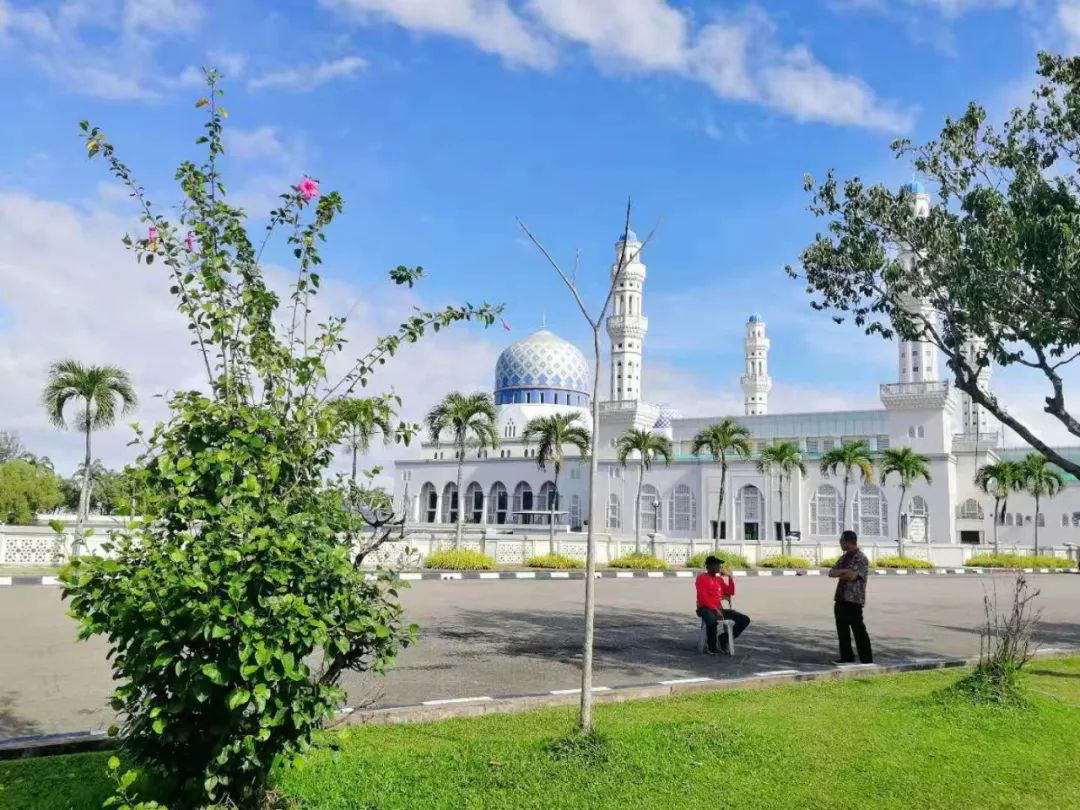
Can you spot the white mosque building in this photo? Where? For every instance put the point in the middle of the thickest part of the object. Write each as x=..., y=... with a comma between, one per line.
x=505, y=493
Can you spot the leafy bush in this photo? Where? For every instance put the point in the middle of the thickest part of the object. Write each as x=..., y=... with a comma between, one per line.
x=728, y=558
x=459, y=559
x=638, y=561
x=559, y=561
x=828, y=562
x=25, y=490
x=235, y=608
x=784, y=561
x=895, y=561
x=1004, y=560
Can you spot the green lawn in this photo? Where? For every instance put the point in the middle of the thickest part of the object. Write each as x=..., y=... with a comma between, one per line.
x=891, y=742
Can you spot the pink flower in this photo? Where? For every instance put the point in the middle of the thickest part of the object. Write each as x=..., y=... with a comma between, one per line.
x=151, y=234
x=189, y=241
x=308, y=188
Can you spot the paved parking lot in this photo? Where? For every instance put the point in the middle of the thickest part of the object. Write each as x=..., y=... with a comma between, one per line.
x=510, y=637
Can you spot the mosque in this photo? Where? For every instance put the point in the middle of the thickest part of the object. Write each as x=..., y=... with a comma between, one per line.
x=505, y=491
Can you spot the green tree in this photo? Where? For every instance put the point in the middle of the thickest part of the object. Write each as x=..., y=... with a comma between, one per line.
x=26, y=490
x=998, y=480
x=994, y=261
x=908, y=466
x=552, y=434
x=648, y=447
x=103, y=393
x=470, y=420
x=853, y=457
x=234, y=609
x=361, y=419
x=785, y=458
x=719, y=440
x=1039, y=480
x=10, y=446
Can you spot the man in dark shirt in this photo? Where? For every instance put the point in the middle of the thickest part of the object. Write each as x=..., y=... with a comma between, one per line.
x=713, y=586
x=852, y=571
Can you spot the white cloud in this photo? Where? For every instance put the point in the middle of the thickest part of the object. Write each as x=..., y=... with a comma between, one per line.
x=262, y=142
x=642, y=34
x=491, y=25
x=311, y=76
x=162, y=16
x=719, y=58
x=1068, y=17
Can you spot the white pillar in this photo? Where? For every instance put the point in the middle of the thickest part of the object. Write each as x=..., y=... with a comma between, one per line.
x=626, y=326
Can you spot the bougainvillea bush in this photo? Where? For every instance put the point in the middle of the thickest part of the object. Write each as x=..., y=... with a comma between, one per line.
x=237, y=604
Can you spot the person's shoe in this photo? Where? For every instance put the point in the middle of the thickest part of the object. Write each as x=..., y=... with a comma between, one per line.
x=711, y=652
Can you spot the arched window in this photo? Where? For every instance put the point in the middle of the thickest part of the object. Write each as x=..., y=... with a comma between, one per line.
x=523, y=502
x=1040, y=519
x=429, y=503
x=613, y=512
x=825, y=511
x=1019, y=518
x=498, y=504
x=575, y=512
x=971, y=509
x=546, y=500
x=509, y=429
x=749, y=509
x=649, y=509
x=682, y=510
x=1065, y=520
x=918, y=514
x=922, y=432
x=871, y=513
x=449, y=503
x=1009, y=519
x=474, y=503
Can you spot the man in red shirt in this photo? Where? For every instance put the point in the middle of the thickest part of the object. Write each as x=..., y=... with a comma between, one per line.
x=713, y=586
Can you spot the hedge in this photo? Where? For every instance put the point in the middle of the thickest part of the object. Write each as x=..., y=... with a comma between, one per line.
x=459, y=559
x=728, y=558
x=1004, y=560
x=560, y=561
x=784, y=561
x=638, y=561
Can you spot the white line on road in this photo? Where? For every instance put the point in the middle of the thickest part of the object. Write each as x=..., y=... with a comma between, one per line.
x=578, y=690
x=450, y=576
x=50, y=580
x=412, y=576
x=789, y=573
x=560, y=575
x=489, y=575
x=685, y=680
x=654, y=574
x=624, y=574
x=777, y=672
x=901, y=572
x=684, y=573
x=446, y=701
x=739, y=573
x=813, y=572
x=525, y=575
x=5, y=580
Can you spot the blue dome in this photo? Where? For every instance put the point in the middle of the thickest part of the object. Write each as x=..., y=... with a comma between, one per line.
x=542, y=368
x=755, y=318
x=630, y=235
x=915, y=187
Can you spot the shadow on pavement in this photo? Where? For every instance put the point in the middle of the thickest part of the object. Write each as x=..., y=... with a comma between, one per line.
x=12, y=724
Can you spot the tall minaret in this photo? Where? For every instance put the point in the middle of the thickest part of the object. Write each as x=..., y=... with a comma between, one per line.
x=626, y=326
x=756, y=381
x=975, y=419
x=918, y=360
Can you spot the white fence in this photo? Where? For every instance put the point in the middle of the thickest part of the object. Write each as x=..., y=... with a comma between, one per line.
x=41, y=546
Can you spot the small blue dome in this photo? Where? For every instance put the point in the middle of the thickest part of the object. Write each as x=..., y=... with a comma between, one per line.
x=755, y=318
x=915, y=187
x=630, y=235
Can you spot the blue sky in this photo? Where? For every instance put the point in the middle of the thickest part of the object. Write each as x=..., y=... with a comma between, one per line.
x=442, y=120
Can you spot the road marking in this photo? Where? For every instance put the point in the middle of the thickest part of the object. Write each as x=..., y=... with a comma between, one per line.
x=578, y=690
x=685, y=680
x=787, y=573
x=412, y=576
x=1029, y=570
x=560, y=575
x=654, y=574
x=959, y=570
x=768, y=672
x=624, y=574
x=684, y=573
x=813, y=572
x=739, y=573
x=901, y=572
x=50, y=580
x=5, y=580
x=1044, y=570
x=489, y=575
x=450, y=576
x=524, y=575
x=447, y=701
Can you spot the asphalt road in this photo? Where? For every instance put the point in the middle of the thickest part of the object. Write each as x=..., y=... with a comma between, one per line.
x=511, y=637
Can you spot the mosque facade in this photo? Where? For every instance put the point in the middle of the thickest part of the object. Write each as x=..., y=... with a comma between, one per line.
x=504, y=490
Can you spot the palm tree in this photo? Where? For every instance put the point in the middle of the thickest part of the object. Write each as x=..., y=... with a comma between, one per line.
x=908, y=466
x=98, y=473
x=648, y=447
x=100, y=390
x=470, y=418
x=999, y=480
x=785, y=458
x=853, y=457
x=359, y=419
x=1039, y=480
x=552, y=434
x=719, y=439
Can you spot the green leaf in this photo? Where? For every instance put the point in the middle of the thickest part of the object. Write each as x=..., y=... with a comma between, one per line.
x=159, y=725
x=238, y=697
x=211, y=671
x=114, y=763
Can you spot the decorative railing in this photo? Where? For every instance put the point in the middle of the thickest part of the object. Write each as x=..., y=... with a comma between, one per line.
x=915, y=388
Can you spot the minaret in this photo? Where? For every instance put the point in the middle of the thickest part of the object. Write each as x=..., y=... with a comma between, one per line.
x=756, y=381
x=626, y=326
x=975, y=419
x=918, y=360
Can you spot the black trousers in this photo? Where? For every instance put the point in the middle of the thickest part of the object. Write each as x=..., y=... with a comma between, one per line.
x=849, y=621
x=713, y=617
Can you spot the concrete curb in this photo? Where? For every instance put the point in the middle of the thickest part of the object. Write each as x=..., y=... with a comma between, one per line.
x=455, y=576
x=435, y=710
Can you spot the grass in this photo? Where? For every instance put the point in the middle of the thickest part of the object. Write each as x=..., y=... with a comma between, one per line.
x=556, y=561
x=896, y=561
x=885, y=742
x=726, y=557
x=641, y=562
x=1004, y=560
x=784, y=561
x=459, y=559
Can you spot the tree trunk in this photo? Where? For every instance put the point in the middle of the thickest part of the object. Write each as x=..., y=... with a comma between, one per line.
x=1036, y=525
x=783, y=535
x=637, y=509
x=720, y=505
x=84, y=494
x=551, y=515
x=997, y=503
x=899, y=522
x=844, y=517
x=585, y=719
x=354, y=463
x=460, y=511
